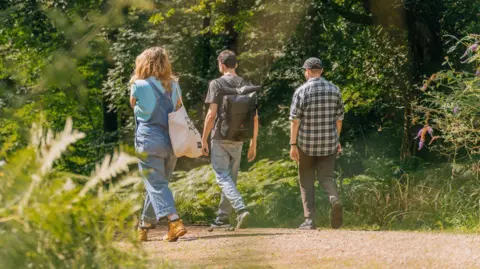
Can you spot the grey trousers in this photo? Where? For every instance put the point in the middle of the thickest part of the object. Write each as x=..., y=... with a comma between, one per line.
x=323, y=167
x=226, y=157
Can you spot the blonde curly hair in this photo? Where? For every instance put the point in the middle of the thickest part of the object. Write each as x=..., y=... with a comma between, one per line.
x=154, y=62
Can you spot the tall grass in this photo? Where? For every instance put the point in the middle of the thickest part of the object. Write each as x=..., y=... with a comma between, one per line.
x=430, y=199
x=411, y=202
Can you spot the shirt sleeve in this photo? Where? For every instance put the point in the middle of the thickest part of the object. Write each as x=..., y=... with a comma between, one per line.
x=213, y=93
x=340, y=109
x=134, y=91
x=296, y=110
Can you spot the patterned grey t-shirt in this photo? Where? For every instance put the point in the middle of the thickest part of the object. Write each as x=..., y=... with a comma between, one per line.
x=318, y=105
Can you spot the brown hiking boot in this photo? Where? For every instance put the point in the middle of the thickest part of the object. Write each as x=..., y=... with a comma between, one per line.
x=143, y=228
x=143, y=234
x=176, y=229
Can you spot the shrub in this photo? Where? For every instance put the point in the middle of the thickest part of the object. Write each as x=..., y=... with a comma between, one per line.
x=451, y=105
x=52, y=219
x=429, y=198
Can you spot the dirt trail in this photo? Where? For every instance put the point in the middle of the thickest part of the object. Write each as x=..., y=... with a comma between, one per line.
x=288, y=248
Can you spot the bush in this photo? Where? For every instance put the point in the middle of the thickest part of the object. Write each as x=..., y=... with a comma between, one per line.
x=429, y=198
x=53, y=219
x=451, y=105
x=269, y=189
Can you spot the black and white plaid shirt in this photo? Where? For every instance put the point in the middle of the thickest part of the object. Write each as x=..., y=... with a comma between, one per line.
x=318, y=105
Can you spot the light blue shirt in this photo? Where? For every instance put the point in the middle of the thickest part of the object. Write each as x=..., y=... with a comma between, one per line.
x=146, y=100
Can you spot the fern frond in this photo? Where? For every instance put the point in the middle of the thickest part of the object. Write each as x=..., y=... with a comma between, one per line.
x=110, y=167
x=53, y=146
x=35, y=182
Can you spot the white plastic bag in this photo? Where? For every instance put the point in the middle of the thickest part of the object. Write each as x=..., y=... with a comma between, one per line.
x=186, y=140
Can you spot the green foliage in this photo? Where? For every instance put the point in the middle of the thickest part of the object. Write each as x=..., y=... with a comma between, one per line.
x=451, y=105
x=52, y=219
x=269, y=188
x=418, y=199
x=62, y=59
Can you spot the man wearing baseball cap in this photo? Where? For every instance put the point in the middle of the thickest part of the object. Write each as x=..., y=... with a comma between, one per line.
x=316, y=117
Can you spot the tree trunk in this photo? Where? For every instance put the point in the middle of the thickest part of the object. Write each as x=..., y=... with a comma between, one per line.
x=407, y=139
x=232, y=34
x=425, y=53
x=206, y=53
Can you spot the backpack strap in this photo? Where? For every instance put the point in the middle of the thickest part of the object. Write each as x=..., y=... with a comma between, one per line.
x=243, y=90
x=225, y=86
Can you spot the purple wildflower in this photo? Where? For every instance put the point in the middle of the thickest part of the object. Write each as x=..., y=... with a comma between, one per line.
x=430, y=131
x=419, y=133
x=455, y=110
x=474, y=47
x=420, y=144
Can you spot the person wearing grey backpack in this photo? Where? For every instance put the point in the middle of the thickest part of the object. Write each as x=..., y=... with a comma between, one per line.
x=232, y=118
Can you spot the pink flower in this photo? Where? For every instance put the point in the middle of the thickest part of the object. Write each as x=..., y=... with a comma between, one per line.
x=420, y=144
x=455, y=110
x=430, y=131
x=474, y=47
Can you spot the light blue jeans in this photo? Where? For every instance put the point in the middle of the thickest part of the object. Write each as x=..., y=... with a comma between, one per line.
x=226, y=157
x=157, y=169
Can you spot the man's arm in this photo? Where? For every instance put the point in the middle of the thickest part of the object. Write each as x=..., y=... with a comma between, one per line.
x=296, y=114
x=294, y=126
x=339, y=127
x=207, y=129
x=255, y=129
x=252, y=151
x=339, y=130
x=340, y=115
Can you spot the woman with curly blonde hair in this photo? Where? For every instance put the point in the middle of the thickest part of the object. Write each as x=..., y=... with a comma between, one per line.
x=154, y=94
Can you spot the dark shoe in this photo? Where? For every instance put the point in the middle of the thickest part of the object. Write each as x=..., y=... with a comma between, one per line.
x=307, y=225
x=336, y=217
x=220, y=224
x=242, y=219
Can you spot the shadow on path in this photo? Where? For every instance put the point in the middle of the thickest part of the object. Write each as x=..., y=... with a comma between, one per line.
x=216, y=236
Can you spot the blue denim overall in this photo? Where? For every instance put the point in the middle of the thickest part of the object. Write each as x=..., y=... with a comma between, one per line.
x=152, y=139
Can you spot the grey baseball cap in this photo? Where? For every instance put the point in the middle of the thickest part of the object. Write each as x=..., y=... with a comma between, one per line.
x=313, y=63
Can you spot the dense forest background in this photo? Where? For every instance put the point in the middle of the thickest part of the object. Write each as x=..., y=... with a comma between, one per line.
x=401, y=66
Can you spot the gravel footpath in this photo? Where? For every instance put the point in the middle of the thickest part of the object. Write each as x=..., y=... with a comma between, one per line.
x=288, y=248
